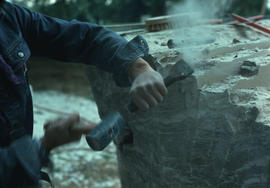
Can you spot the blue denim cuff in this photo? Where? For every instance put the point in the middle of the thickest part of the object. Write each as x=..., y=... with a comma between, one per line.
x=134, y=49
x=27, y=153
x=43, y=154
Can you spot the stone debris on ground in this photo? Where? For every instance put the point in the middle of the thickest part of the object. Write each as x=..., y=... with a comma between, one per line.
x=249, y=68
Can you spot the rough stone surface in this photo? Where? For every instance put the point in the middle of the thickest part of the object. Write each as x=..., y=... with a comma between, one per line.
x=194, y=139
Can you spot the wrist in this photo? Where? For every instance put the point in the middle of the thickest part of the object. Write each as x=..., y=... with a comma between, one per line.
x=138, y=67
x=43, y=154
x=45, y=144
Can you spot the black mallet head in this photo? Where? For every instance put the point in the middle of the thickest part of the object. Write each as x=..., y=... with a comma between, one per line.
x=105, y=132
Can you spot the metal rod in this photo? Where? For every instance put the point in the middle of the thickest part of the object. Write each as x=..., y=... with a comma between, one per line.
x=253, y=18
x=250, y=23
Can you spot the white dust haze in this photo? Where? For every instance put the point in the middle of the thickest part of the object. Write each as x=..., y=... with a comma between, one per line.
x=191, y=30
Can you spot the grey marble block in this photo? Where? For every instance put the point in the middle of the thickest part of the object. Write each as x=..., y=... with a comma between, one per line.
x=193, y=139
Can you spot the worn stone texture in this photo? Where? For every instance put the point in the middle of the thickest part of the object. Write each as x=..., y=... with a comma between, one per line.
x=193, y=139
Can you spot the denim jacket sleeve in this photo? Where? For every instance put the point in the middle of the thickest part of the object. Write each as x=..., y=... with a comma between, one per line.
x=21, y=160
x=80, y=42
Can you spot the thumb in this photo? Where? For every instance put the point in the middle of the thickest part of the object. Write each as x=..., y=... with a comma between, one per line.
x=83, y=129
x=72, y=120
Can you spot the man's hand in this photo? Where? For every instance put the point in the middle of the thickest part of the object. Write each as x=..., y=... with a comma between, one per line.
x=63, y=131
x=148, y=88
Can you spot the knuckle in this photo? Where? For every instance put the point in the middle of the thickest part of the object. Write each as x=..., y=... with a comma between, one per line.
x=142, y=87
x=159, y=98
x=158, y=85
x=166, y=91
x=137, y=89
x=149, y=85
x=135, y=95
x=155, y=103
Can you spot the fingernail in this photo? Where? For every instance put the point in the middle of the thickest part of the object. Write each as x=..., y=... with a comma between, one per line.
x=147, y=107
x=166, y=92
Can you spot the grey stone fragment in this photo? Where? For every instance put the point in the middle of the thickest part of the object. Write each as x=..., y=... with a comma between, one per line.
x=249, y=68
x=171, y=44
x=235, y=41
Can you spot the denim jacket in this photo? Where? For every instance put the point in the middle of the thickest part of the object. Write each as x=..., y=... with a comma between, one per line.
x=24, y=33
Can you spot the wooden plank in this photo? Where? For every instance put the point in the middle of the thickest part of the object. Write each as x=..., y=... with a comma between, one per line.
x=125, y=27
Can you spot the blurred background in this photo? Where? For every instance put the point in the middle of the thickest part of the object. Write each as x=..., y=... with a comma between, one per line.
x=47, y=74
x=127, y=11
